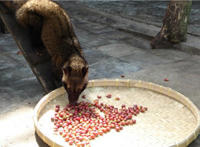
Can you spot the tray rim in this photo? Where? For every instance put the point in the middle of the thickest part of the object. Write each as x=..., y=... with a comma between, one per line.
x=123, y=83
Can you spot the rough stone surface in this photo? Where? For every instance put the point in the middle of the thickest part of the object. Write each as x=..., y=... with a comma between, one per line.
x=150, y=12
x=117, y=50
x=110, y=52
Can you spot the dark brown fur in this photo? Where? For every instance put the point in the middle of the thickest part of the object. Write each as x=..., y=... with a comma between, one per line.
x=55, y=31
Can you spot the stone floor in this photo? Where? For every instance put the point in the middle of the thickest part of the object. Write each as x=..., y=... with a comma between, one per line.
x=144, y=11
x=110, y=52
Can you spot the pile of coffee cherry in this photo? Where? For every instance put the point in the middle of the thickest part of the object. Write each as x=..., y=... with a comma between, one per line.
x=78, y=124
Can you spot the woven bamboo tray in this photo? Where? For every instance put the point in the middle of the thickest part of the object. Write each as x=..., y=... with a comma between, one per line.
x=171, y=120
